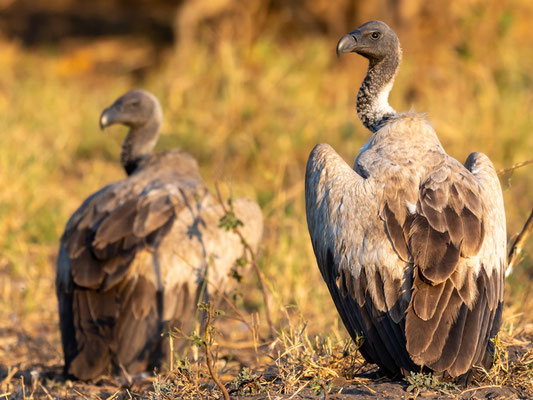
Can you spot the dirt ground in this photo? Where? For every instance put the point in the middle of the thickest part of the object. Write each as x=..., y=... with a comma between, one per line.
x=30, y=368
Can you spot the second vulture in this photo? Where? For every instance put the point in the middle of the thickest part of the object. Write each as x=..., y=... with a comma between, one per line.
x=411, y=243
x=134, y=256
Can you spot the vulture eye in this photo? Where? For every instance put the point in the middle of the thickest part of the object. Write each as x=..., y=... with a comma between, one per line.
x=133, y=104
x=375, y=35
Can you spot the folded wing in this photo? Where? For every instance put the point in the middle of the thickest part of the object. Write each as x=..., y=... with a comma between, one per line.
x=425, y=285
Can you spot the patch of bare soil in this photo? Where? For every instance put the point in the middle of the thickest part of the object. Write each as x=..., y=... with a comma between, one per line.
x=397, y=390
x=293, y=366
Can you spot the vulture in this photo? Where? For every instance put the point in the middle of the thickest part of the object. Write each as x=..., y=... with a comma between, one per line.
x=410, y=242
x=137, y=255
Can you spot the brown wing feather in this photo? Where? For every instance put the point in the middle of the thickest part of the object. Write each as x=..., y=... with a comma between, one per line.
x=473, y=233
x=395, y=232
x=85, y=335
x=441, y=334
x=449, y=226
x=426, y=298
x=114, y=226
x=472, y=330
x=432, y=251
x=153, y=211
x=419, y=332
x=453, y=341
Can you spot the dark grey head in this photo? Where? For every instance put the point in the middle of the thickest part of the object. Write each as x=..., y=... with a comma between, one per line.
x=136, y=108
x=373, y=40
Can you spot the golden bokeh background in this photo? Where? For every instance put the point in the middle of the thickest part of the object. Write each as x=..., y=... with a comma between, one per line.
x=248, y=87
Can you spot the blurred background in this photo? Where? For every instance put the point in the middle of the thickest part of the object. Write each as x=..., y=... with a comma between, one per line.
x=248, y=87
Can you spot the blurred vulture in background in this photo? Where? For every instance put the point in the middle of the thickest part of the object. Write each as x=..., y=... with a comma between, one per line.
x=410, y=242
x=135, y=254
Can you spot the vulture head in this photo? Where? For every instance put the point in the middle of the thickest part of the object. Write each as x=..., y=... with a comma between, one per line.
x=135, y=109
x=373, y=40
x=141, y=112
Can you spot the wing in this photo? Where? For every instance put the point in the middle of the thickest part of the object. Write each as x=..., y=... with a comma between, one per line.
x=454, y=238
x=108, y=278
x=425, y=285
x=351, y=249
x=133, y=259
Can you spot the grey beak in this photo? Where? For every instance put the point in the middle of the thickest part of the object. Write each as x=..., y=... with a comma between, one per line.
x=108, y=117
x=347, y=43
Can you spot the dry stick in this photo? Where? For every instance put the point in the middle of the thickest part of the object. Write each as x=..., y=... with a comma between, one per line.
x=23, y=388
x=209, y=357
x=113, y=396
x=520, y=240
x=479, y=388
x=515, y=166
x=171, y=350
x=518, y=245
x=324, y=388
x=258, y=271
x=80, y=394
x=9, y=376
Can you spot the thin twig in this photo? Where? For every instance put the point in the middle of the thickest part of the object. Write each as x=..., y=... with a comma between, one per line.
x=324, y=388
x=258, y=271
x=240, y=345
x=302, y=387
x=209, y=357
x=80, y=394
x=171, y=351
x=515, y=166
x=46, y=391
x=9, y=376
x=479, y=388
x=23, y=388
x=232, y=306
x=113, y=396
x=518, y=245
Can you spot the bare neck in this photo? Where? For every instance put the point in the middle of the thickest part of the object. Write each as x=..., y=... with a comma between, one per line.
x=373, y=106
x=139, y=144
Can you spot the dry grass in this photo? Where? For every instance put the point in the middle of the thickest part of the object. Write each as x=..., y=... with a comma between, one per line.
x=516, y=372
x=250, y=113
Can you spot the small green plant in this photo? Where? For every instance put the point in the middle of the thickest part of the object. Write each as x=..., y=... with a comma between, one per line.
x=163, y=389
x=318, y=386
x=248, y=383
x=229, y=220
x=235, y=271
x=203, y=340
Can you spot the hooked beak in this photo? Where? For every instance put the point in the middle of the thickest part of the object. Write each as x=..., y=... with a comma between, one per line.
x=108, y=117
x=348, y=43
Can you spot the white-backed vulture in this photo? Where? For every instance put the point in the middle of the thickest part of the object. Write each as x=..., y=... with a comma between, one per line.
x=411, y=243
x=134, y=255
